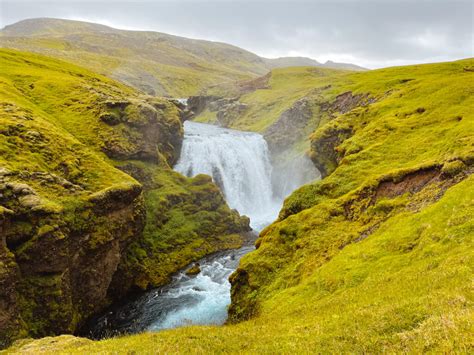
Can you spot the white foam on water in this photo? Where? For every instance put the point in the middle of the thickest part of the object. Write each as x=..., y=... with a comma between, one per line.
x=210, y=292
x=239, y=162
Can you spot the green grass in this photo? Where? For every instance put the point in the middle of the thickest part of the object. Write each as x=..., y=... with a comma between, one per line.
x=45, y=130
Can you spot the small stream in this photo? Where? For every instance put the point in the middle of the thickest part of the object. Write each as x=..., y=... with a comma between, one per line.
x=199, y=299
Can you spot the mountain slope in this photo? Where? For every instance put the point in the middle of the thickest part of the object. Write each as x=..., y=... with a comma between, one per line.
x=285, y=62
x=291, y=62
x=376, y=257
x=344, y=66
x=156, y=63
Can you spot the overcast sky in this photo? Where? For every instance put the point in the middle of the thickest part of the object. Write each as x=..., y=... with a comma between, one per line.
x=366, y=32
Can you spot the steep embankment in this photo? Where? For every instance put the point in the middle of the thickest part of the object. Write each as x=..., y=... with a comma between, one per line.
x=69, y=218
x=377, y=256
x=376, y=245
x=156, y=63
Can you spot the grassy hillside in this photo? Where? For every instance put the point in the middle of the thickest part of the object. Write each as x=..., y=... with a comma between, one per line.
x=377, y=256
x=156, y=63
x=71, y=214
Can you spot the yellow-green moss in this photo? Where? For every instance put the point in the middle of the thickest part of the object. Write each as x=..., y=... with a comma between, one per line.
x=356, y=263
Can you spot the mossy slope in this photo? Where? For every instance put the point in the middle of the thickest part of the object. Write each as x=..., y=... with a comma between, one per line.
x=368, y=221
x=67, y=213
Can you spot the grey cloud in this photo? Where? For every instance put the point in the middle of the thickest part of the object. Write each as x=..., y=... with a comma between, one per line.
x=368, y=33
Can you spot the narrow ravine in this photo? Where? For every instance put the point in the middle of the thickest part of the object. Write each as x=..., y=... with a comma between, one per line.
x=239, y=163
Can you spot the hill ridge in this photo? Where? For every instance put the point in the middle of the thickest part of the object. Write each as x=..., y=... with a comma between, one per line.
x=154, y=62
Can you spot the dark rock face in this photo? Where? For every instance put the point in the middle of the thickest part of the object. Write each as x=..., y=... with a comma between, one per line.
x=60, y=262
x=227, y=109
x=9, y=312
x=241, y=309
x=197, y=104
x=152, y=131
x=323, y=149
x=289, y=127
x=324, y=153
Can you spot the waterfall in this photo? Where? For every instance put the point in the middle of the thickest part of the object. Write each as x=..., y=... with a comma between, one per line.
x=238, y=162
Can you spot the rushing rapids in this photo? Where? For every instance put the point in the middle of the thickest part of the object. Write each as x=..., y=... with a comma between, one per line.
x=239, y=162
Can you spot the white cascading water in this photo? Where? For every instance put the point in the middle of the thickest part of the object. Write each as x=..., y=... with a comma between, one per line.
x=238, y=162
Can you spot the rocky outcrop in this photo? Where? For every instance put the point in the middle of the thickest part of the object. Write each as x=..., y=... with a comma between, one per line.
x=323, y=153
x=58, y=261
x=289, y=127
x=152, y=131
x=197, y=104
x=324, y=142
x=227, y=109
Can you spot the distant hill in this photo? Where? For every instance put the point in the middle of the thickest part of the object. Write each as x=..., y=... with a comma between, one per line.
x=345, y=66
x=156, y=63
x=285, y=62
x=291, y=62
